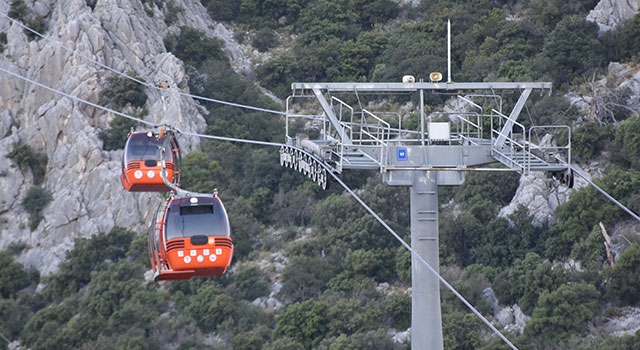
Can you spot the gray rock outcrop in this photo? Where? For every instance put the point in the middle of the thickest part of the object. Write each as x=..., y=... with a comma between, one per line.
x=82, y=178
x=540, y=195
x=609, y=13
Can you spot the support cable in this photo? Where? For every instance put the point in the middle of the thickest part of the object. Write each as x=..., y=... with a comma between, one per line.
x=75, y=98
x=5, y=338
x=615, y=201
x=153, y=86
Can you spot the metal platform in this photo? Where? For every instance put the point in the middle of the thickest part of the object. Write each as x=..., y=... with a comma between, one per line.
x=464, y=139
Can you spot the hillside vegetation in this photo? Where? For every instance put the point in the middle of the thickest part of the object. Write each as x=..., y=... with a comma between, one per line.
x=312, y=269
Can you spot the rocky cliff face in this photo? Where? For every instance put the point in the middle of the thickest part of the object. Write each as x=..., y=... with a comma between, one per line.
x=125, y=35
x=83, y=178
x=609, y=13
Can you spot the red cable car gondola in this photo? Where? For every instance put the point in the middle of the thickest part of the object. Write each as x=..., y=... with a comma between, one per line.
x=141, y=163
x=190, y=237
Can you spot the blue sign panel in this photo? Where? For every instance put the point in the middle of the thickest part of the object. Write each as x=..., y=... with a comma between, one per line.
x=402, y=153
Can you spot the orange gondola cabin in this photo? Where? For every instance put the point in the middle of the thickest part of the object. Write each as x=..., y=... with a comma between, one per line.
x=190, y=237
x=141, y=163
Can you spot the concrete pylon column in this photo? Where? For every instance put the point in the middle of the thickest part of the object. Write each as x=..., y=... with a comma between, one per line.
x=426, y=319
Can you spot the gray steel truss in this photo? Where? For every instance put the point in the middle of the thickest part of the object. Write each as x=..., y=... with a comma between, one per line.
x=468, y=137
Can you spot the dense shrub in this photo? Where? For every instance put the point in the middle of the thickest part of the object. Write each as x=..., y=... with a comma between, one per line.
x=264, y=39
x=573, y=48
x=116, y=136
x=589, y=140
x=12, y=275
x=193, y=47
x=18, y=10
x=628, y=32
x=563, y=312
x=626, y=150
x=3, y=41
x=624, y=285
x=34, y=202
x=87, y=255
x=122, y=91
x=26, y=157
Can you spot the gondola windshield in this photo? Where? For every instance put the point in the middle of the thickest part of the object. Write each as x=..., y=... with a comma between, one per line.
x=186, y=221
x=143, y=147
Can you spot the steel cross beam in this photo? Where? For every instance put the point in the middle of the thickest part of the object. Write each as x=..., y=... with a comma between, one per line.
x=344, y=138
x=502, y=137
x=526, y=88
x=408, y=87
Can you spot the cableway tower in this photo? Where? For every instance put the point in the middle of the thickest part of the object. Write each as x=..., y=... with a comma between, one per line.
x=473, y=133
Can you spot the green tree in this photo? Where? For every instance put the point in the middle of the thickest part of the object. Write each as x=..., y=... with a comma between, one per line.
x=526, y=280
x=13, y=277
x=223, y=10
x=459, y=236
x=305, y=277
x=251, y=282
x=201, y=174
x=397, y=307
x=624, y=284
x=305, y=322
x=294, y=207
x=374, y=339
x=119, y=93
x=376, y=12
x=403, y=264
x=324, y=19
x=264, y=39
x=590, y=252
x=211, y=306
x=413, y=49
x=627, y=32
x=563, y=312
x=372, y=263
x=43, y=330
x=194, y=47
x=117, y=310
x=261, y=204
x=122, y=91
x=625, y=342
x=517, y=71
x=116, y=136
x=278, y=73
x=627, y=144
x=496, y=187
x=283, y=343
x=460, y=331
x=576, y=218
x=87, y=255
x=34, y=202
x=623, y=185
x=18, y=10
x=252, y=339
x=116, y=279
x=13, y=317
x=589, y=140
x=506, y=240
x=354, y=285
x=573, y=49
x=551, y=110
x=3, y=41
x=27, y=158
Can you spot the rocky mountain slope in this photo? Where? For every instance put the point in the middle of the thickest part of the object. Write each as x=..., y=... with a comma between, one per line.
x=83, y=179
x=80, y=175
